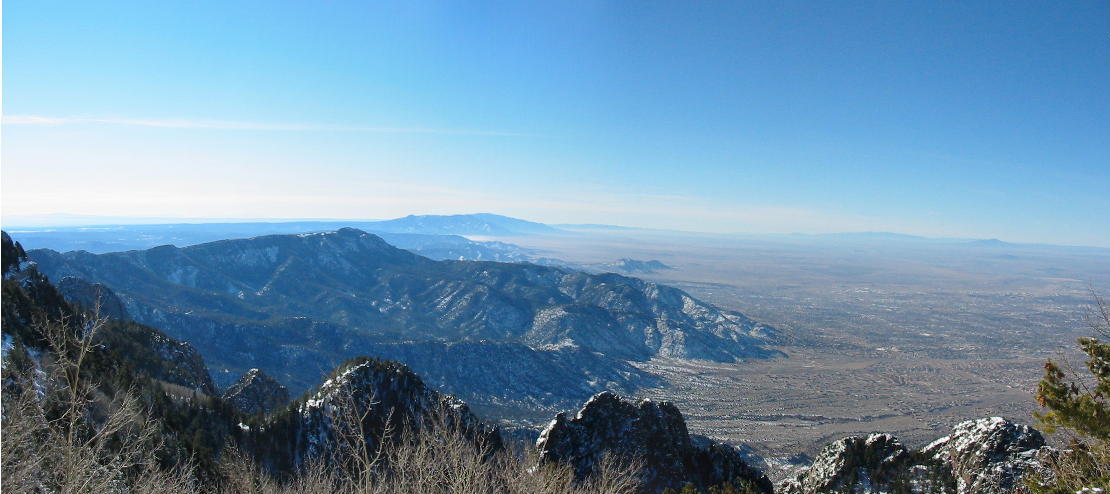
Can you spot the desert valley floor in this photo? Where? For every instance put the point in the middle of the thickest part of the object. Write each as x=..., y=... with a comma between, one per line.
x=906, y=337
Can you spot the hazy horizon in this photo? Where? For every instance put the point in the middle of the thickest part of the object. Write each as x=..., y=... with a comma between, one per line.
x=68, y=220
x=983, y=120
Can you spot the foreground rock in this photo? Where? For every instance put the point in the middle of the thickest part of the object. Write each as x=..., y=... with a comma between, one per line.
x=875, y=463
x=985, y=456
x=376, y=399
x=256, y=392
x=989, y=455
x=652, y=433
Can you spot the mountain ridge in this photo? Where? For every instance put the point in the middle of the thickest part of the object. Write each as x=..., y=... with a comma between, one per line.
x=464, y=224
x=329, y=296
x=118, y=238
x=990, y=455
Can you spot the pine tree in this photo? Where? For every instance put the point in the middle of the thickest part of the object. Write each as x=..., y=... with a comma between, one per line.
x=1081, y=405
x=1073, y=404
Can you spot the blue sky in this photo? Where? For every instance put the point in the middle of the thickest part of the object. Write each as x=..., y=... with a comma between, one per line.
x=972, y=119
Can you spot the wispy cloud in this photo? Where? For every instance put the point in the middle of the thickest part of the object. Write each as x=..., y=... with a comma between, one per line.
x=244, y=126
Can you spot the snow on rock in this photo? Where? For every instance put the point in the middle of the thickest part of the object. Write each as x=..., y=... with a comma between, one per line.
x=652, y=433
x=386, y=396
x=989, y=454
x=985, y=456
x=854, y=463
x=256, y=392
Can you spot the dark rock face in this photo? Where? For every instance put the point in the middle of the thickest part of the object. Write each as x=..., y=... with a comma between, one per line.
x=13, y=255
x=184, y=365
x=316, y=299
x=256, y=392
x=874, y=463
x=652, y=433
x=386, y=395
x=985, y=456
x=92, y=297
x=990, y=454
x=28, y=296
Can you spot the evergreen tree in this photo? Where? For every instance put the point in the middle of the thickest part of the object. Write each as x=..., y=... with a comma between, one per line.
x=1081, y=405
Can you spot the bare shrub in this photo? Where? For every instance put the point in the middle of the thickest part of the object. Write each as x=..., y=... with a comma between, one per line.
x=439, y=457
x=62, y=434
x=442, y=458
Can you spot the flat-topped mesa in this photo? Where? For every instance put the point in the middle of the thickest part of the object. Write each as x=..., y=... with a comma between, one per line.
x=633, y=266
x=654, y=435
x=464, y=224
x=256, y=392
x=984, y=456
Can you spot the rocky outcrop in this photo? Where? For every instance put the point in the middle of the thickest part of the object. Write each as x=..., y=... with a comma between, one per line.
x=153, y=353
x=256, y=392
x=989, y=455
x=186, y=365
x=650, y=433
x=868, y=464
x=92, y=297
x=13, y=255
x=985, y=456
x=386, y=396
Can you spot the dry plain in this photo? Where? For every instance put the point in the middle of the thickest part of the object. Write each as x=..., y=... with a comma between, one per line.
x=880, y=333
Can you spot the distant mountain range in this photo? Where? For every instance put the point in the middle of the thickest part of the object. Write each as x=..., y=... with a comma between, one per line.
x=463, y=224
x=297, y=305
x=115, y=238
x=108, y=234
